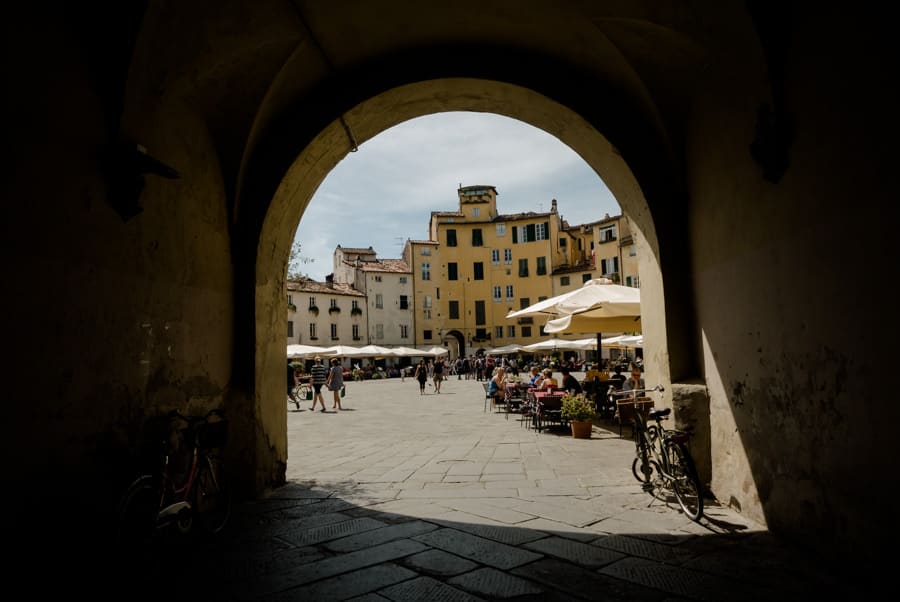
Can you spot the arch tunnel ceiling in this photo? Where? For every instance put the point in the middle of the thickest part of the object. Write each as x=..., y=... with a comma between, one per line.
x=616, y=83
x=251, y=67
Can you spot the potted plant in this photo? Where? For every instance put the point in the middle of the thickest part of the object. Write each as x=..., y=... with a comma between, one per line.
x=579, y=411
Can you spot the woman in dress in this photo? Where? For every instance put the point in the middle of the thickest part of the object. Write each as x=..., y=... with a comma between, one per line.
x=421, y=375
x=335, y=382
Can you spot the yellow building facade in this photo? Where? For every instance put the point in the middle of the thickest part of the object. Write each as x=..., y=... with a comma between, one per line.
x=479, y=264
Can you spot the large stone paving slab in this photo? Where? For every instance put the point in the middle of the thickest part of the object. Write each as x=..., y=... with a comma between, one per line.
x=585, y=584
x=572, y=551
x=305, y=537
x=426, y=588
x=682, y=582
x=439, y=563
x=495, y=584
x=356, y=583
x=326, y=568
x=375, y=537
x=484, y=551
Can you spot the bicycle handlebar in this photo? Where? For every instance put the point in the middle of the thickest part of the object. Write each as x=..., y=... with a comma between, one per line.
x=194, y=419
x=658, y=388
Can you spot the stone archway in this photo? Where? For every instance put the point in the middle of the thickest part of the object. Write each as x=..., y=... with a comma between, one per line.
x=456, y=343
x=373, y=115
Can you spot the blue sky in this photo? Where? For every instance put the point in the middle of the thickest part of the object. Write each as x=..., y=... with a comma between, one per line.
x=385, y=192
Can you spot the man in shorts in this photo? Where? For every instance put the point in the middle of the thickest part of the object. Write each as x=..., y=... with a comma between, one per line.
x=437, y=373
x=318, y=374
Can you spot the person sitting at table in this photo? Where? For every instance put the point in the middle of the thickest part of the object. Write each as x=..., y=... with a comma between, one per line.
x=636, y=382
x=497, y=386
x=548, y=382
x=569, y=382
x=534, y=377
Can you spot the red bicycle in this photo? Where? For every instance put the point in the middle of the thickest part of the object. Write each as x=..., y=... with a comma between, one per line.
x=163, y=499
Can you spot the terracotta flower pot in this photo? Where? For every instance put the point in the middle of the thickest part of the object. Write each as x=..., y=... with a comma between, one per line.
x=581, y=429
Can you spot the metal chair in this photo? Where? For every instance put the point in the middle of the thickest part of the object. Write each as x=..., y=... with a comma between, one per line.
x=549, y=411
x=513, y=399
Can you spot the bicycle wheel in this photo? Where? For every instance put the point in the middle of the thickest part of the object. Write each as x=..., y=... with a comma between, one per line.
x=652, y=466
x=211, y=495
x=138, y=512
x=685, y=483
x=297, y=393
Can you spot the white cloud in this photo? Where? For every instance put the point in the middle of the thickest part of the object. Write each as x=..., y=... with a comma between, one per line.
x=385, y=192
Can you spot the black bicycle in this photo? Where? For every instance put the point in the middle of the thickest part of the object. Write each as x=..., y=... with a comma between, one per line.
x=663, y=462
x=198, y=494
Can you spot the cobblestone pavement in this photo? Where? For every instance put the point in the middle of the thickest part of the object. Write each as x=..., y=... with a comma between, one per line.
x=403, y=496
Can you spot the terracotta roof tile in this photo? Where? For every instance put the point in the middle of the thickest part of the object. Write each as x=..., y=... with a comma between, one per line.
x=385, y=265
x=311, y=286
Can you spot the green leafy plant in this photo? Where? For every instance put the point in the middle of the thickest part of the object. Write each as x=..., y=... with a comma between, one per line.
x=577, y=407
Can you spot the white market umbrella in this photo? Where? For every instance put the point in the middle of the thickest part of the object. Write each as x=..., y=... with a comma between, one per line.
x=504, y=350
x=376, y=351
x=599, y=296
x=408, y=352
x=436, y=351
x=598, y=306
x=345, y=351
x=584, y=322
x=297, y=351
x=624, y=341
x=554, y=343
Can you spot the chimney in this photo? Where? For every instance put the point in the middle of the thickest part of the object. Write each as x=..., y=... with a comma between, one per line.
x=329, y=280
x=553, y=206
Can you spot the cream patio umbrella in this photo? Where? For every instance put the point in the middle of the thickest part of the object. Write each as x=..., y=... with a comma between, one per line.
x=376, y=351
x=346, y=351
x=583, y=322
x=436, y=351
x=297, y=351
x=598, y=306
x=409, y=352
x=504, y=350
x=555, y=343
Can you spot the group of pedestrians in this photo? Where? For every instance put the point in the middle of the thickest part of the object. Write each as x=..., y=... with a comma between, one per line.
x=434, y=370
x=320, y=375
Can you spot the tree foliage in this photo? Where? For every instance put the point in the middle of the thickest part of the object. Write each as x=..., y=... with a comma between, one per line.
x=295, y=261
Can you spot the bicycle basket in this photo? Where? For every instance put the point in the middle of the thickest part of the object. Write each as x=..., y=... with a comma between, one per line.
x=212, y=434
x=678, y=436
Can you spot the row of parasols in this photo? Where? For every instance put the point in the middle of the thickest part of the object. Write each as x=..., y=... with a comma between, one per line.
x=297, y=351
x=554, y=344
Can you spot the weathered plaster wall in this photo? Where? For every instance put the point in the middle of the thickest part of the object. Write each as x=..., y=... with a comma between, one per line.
x=112, y=320
x=788, y=311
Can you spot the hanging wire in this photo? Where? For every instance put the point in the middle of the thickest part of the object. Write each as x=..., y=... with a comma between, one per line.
x=353, y=145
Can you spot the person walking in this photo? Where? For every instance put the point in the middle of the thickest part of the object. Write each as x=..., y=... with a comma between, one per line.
x=291, y=383
x=437, y=374
x=335, y=382
x=421, y=375
x=318, y=374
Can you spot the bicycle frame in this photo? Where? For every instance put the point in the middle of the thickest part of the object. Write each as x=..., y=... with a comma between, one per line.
x=158, y=499
x=180, y=495
x=663, y=460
